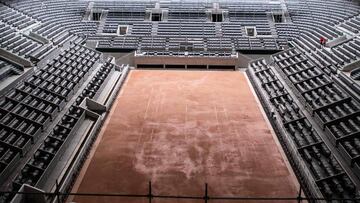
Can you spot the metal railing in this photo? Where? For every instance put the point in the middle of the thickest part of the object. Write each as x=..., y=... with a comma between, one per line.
x=59, y=197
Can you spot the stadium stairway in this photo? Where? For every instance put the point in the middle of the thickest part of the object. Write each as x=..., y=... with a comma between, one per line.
x=102, y=22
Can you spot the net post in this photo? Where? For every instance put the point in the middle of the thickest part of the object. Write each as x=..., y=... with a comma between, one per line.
x=150, y=192
x=206, y=197
x=299, y=198
x=57, y=191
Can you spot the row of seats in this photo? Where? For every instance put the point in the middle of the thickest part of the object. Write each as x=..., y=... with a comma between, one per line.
x=231, y=29
x=42, y=52
x=355, y=74
x=247, y=43
x=189, y=14
x=7, y=69
x=94, y=85
x=213, y=44
x=125, y=42
x=348, y=84
x=258, y=20
x=26, y=110
x=12, y=41
x=234, y=29
x=341, y=54
x=143, y=29
x=47, y=151
x=194, y=29
x=63, y=74
x=186, y=7
x=329, y=176
x=252, y=7
x=58, y=19
x=45, y=157
x=149, y=43
x=58, y=32
x=15, y=18
x=113, y=19
x=287, y=31
x=137, y=28
x=117, y=45
x=307, y=78
x=174, y=43
x=308, y=30
x=49, y=10
x=185, y=28
x=123, y=6
x=333, y=108
x=60, y=16
x=352, y=24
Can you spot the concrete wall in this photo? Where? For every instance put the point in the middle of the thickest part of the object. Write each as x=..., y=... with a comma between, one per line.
x=184, y=60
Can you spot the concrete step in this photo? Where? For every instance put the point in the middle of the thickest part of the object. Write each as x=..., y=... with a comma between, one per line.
x=218, y=30
x=101, y=25
x=154, y=28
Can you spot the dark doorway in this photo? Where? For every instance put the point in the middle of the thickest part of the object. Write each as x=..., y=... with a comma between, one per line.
x=217, y=17
x=251, y=31
x=156, y=17
x=96, y=16
x=278, y=18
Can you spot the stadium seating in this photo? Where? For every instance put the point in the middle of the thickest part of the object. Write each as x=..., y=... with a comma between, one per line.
x=185, y=29
x=46, y=156
x=323, y=166
x=355, y=74
x=303, y=89
x=113, y=19
x=183, y=11
x=59, y=32
x=47, y=153
x=15, y=18
x=12, y=41
x=302, y=28
x=352, y=24
x=8, y=69
x=27, y=109
x=340, y=55
x=337, y=112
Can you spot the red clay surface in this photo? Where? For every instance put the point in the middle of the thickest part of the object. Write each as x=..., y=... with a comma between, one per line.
x=180, y=129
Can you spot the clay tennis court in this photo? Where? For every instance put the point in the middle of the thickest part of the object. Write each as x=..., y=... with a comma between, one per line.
x=180, y=130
